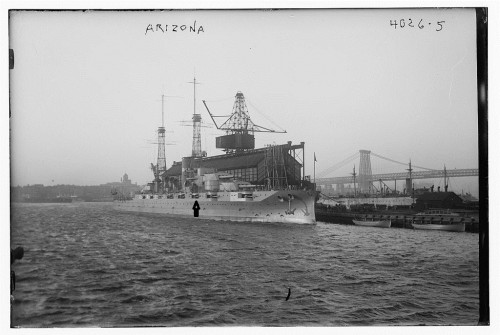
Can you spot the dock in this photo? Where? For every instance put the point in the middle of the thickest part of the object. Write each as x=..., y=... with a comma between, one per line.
x=398, y=220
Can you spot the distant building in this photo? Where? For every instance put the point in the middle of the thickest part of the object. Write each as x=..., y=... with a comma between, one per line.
x=33, y=192
x=122, y=188
x=438, y=200
x=125, y=180
x=102, y=192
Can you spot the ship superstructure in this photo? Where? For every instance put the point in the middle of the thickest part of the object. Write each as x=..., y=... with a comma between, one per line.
x=244, y=184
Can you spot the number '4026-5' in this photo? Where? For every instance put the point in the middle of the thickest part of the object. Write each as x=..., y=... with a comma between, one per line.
x=402, y=23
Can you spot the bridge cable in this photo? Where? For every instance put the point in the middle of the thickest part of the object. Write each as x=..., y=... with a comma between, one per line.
x=339, y=165
x=405, y=164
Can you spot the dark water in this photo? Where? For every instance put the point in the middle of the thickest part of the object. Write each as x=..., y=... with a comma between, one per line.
x=86, y=265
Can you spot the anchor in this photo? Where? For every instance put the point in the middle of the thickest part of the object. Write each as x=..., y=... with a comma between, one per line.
x=290, y=211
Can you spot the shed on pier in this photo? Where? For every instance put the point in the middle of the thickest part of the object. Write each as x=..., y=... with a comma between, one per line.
x=277, y=165
x=438, y=200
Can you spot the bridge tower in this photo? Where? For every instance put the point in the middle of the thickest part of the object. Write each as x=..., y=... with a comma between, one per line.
x=365, y=171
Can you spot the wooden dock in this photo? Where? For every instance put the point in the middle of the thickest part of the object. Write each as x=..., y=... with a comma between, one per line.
x=397, y=220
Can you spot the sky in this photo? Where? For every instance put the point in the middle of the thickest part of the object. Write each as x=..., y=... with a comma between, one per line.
x=86, y=88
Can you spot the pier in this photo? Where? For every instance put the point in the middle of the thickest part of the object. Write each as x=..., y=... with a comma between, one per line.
x=365, y=195
x=398, y=219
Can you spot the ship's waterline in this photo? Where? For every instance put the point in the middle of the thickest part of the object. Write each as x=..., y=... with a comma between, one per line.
x=286, y=206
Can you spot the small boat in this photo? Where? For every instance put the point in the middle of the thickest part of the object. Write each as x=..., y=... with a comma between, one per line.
x=458, y=227
x=438, y=213
x=369, y=223
x=444, y=217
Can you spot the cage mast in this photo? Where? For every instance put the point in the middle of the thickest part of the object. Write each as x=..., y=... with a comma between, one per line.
x=196, y=148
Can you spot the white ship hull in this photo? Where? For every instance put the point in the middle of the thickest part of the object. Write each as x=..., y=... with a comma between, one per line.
x=286, y=206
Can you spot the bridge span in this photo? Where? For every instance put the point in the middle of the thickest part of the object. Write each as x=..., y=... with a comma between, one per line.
x=364, y=180
x=401, y=176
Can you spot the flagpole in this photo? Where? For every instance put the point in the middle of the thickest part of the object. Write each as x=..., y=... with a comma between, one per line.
x=314, y=169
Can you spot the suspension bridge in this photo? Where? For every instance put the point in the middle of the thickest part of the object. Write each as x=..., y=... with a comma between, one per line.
x=365, y=179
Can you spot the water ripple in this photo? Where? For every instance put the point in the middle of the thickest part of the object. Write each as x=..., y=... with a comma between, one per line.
x=86, y=265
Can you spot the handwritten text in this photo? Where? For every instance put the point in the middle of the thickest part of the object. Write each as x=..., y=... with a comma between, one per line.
x=418, y=23
x=174, y=28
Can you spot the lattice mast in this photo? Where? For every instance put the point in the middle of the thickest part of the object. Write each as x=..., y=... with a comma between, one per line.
x=161, y=163
x=196, y=148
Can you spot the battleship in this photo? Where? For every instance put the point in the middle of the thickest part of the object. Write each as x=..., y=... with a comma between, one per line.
x=244, y=184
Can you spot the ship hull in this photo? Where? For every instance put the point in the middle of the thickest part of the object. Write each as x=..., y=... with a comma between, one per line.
x=458, y=227
x=284, y=206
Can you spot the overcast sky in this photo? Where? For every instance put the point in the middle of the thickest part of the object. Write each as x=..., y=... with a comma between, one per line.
x=86, y=88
